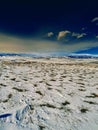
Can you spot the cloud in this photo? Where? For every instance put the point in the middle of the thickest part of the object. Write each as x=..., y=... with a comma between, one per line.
x=10, y=47
x=78, y=35
x=65, y=35
x=97, y=36
x=50, y=34
x=62, y=34
x=94, y=19
x=29, y=45
x=10, y=44
x=81, y=35
x=75, y=34
x=81, y=46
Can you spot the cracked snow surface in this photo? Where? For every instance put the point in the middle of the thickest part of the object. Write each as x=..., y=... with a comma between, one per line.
x=48, y=94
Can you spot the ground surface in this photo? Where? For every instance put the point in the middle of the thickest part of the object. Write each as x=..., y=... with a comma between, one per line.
x=49, y=94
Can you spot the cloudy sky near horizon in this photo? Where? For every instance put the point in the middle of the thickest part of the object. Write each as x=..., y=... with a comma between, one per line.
x=37, y=26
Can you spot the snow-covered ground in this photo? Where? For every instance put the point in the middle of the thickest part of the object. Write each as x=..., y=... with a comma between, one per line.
x=48, y=94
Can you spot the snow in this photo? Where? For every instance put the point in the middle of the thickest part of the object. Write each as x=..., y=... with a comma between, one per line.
x=48, y=94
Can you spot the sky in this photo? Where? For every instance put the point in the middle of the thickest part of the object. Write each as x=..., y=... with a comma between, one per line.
x=49, y=26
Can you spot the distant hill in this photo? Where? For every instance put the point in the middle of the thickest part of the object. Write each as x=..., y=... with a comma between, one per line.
x=55, y=54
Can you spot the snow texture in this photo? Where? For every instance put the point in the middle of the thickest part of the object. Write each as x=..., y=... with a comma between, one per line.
x=48, y=93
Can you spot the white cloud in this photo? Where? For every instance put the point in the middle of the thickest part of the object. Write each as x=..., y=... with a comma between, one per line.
x=77, y=35
x=94, y=19
x=62, y=34
x=81, y=35
x=50, y=34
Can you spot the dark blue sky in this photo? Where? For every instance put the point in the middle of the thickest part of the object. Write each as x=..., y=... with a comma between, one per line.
x=67, y=22
x=31, y=17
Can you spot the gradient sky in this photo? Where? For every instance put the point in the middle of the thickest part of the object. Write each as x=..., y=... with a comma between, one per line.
x=32, y=26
